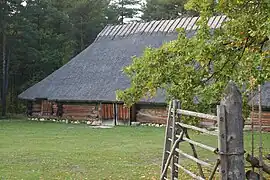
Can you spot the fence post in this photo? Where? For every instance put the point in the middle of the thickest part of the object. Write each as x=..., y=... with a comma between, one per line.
x=175, y=131
x=231, y=143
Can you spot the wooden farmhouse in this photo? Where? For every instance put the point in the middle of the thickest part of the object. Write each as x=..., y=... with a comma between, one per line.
x=265, y=103
x=85, y=88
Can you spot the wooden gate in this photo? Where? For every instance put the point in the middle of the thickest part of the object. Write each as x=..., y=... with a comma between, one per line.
x=229, y=154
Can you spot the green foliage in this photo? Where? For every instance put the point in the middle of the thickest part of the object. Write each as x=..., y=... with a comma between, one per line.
x=121, y=9
x=164, y=9
x=43, y=35
x=233, y=52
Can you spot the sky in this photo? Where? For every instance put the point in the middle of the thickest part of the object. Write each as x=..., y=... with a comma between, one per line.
x=126, y=19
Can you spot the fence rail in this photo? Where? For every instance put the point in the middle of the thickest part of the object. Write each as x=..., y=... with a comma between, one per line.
x=197, y=114
x=197, y=129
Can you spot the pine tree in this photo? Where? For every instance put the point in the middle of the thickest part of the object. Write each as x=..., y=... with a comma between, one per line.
x=121, y=9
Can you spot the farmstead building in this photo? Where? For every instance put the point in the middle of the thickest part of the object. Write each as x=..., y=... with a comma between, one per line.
x=85, y=88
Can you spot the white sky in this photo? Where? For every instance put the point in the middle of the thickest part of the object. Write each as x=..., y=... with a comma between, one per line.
x=126, y=19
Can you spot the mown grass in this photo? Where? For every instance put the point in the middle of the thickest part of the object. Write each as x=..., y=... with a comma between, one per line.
x=36, y=150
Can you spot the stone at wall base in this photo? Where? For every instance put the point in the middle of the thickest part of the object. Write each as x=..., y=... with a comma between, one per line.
x=135, y=123
x=96, y=123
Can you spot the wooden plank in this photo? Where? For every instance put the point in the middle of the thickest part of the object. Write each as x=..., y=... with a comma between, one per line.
x=174, y=25
x=167, y=144
x=211, y=20
x=187, y=22
x=197, y=129
x=155, y=25
x=171, y=155
x=192, y=23
x=111, y=110
x=120, y=113
x=196, y=114
x=108, y=111
x=194, y=159
x=168, y=25
x=219, y=24
x=138, y=28
x=212, y=149
x=174, y=152
x=164, y=26
x=222, y=140
x=157, y=29
x=181, y=23
x=78, y=114
x=116, y=114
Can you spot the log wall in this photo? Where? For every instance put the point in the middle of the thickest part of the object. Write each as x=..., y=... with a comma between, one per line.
x=155, y=115
x=143, y=113
x=265, y=120
x=83, y=111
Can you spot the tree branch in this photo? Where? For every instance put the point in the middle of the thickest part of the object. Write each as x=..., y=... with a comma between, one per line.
x=242, y=54
x=263, y=42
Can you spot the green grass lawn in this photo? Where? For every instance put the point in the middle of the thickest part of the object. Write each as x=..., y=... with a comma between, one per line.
x=35, y=150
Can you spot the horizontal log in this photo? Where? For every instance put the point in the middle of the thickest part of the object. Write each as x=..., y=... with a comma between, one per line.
x=197, y=129
x=79, y=111
x=263, y=118
x=254, y=161
x=140, y=114
x=264, y=112
x=200, y=145
x=258, y=124
x=189, y=172
x=193, y=158
x=79, y=114
x=196, y=114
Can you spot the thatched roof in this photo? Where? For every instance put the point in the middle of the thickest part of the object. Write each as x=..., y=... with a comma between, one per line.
x=96, y=73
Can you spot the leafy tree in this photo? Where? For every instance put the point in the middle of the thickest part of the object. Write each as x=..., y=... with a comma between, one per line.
x=164, y=9
x=238, y=51
x=41, y=36
x=121, y=9
x=8, y=10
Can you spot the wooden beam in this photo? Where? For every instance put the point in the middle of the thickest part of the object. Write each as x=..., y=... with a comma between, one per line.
x=197, y=129
x=231, y=135
x=194, y=159
x=196, y=114
x=115, y=114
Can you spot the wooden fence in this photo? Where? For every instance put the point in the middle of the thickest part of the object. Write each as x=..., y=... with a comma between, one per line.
x=230, y=150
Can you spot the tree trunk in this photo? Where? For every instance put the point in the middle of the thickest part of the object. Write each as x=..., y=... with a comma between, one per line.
x=81, y=29
x=4, y=94
x=122, y=12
